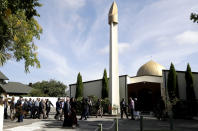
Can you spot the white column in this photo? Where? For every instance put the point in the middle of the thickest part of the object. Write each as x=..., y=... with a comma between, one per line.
x=113, y=68
x=1, y=117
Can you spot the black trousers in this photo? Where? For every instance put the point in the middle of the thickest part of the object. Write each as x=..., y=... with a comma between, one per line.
x=124, y=110
x=67, y=120
x=5, y=113
x=36, y=113
x=47, y=111
x=132, y=116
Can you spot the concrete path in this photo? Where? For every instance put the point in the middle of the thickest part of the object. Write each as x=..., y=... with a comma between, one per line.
x=51, y=124
x=150, y=123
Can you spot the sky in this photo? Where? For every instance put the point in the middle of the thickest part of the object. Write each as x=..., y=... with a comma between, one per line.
x=75, y=38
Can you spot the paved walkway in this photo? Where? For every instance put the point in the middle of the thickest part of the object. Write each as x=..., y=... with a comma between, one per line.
x=150, y=123
x=51, y=124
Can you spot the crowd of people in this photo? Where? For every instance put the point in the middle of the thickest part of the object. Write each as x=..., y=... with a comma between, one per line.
x=38, y=108
x=134, y=113
x=66, y=109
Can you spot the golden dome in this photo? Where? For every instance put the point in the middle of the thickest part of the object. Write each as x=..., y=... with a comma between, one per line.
x=150, y=68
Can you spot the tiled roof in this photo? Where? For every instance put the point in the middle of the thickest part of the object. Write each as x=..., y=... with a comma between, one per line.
x=3, y=77
x=16, y=87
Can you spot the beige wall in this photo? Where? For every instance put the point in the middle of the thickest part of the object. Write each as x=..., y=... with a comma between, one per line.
x=146, y=78
x=1, y=117
x=90, y=88
x=182, y=83
x=95, y=88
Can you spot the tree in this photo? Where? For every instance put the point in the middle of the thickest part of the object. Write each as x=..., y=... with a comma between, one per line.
x=190, y=93
x=51, y=88
x=79, y=86
x=18, y=29
x=194, y=17
x=172, y=84
x=37, y=93
x=105, y=89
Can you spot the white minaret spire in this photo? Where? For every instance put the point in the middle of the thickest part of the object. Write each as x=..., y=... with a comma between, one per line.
x=114, y=92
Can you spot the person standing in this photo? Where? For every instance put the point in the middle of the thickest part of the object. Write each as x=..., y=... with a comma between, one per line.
x=99, y=108
x=5, y=108
x=12, y=109
x=25, y=107
x=85, y=109
x=123, y=108
x=62, y=109
x=73, y=112
x=48, y=107
x=58, y=109
x=67, y=113
x=36, y=108
x=90, y=107
x=132, y=107
x=42, y=109
x=33, y=109
x=30, y=107
x=19, y=109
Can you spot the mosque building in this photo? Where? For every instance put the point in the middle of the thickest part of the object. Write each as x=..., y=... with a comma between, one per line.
x=149, y=84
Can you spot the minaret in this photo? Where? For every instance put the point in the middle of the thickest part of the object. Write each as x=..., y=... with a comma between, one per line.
x=114, y=93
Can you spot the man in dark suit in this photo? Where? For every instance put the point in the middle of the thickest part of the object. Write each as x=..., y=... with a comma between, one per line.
x=67, y=113
x=48, y=107
x=123, y=107
x=58, y=109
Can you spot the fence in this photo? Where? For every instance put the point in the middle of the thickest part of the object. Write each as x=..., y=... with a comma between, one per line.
x=113, y=127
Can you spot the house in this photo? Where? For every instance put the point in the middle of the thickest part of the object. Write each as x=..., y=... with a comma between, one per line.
x=12, y=88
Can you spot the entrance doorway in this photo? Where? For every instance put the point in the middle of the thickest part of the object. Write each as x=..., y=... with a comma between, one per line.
x=147, y=94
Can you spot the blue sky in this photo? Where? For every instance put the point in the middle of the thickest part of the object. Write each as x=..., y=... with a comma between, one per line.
x=76, y=38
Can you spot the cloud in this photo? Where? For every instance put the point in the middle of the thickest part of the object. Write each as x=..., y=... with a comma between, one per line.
x=161, y=32
x=122, y=48
x=188, y=37
x=158, y=19
x=105, y=50
x=71, y=4
x=76, y=35
x=58, y=63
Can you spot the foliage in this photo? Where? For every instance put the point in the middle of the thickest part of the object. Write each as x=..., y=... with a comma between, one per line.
x=93, y=98
x=51, y=88
x=37, y=92
x=18, y=29
x=172, y=84
x=194, y=17
x=190, y=94
x=79, y=105
x=105, y=105
x=79, y=86
x=180, y=110
x=105, y=88
x=13, y=6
